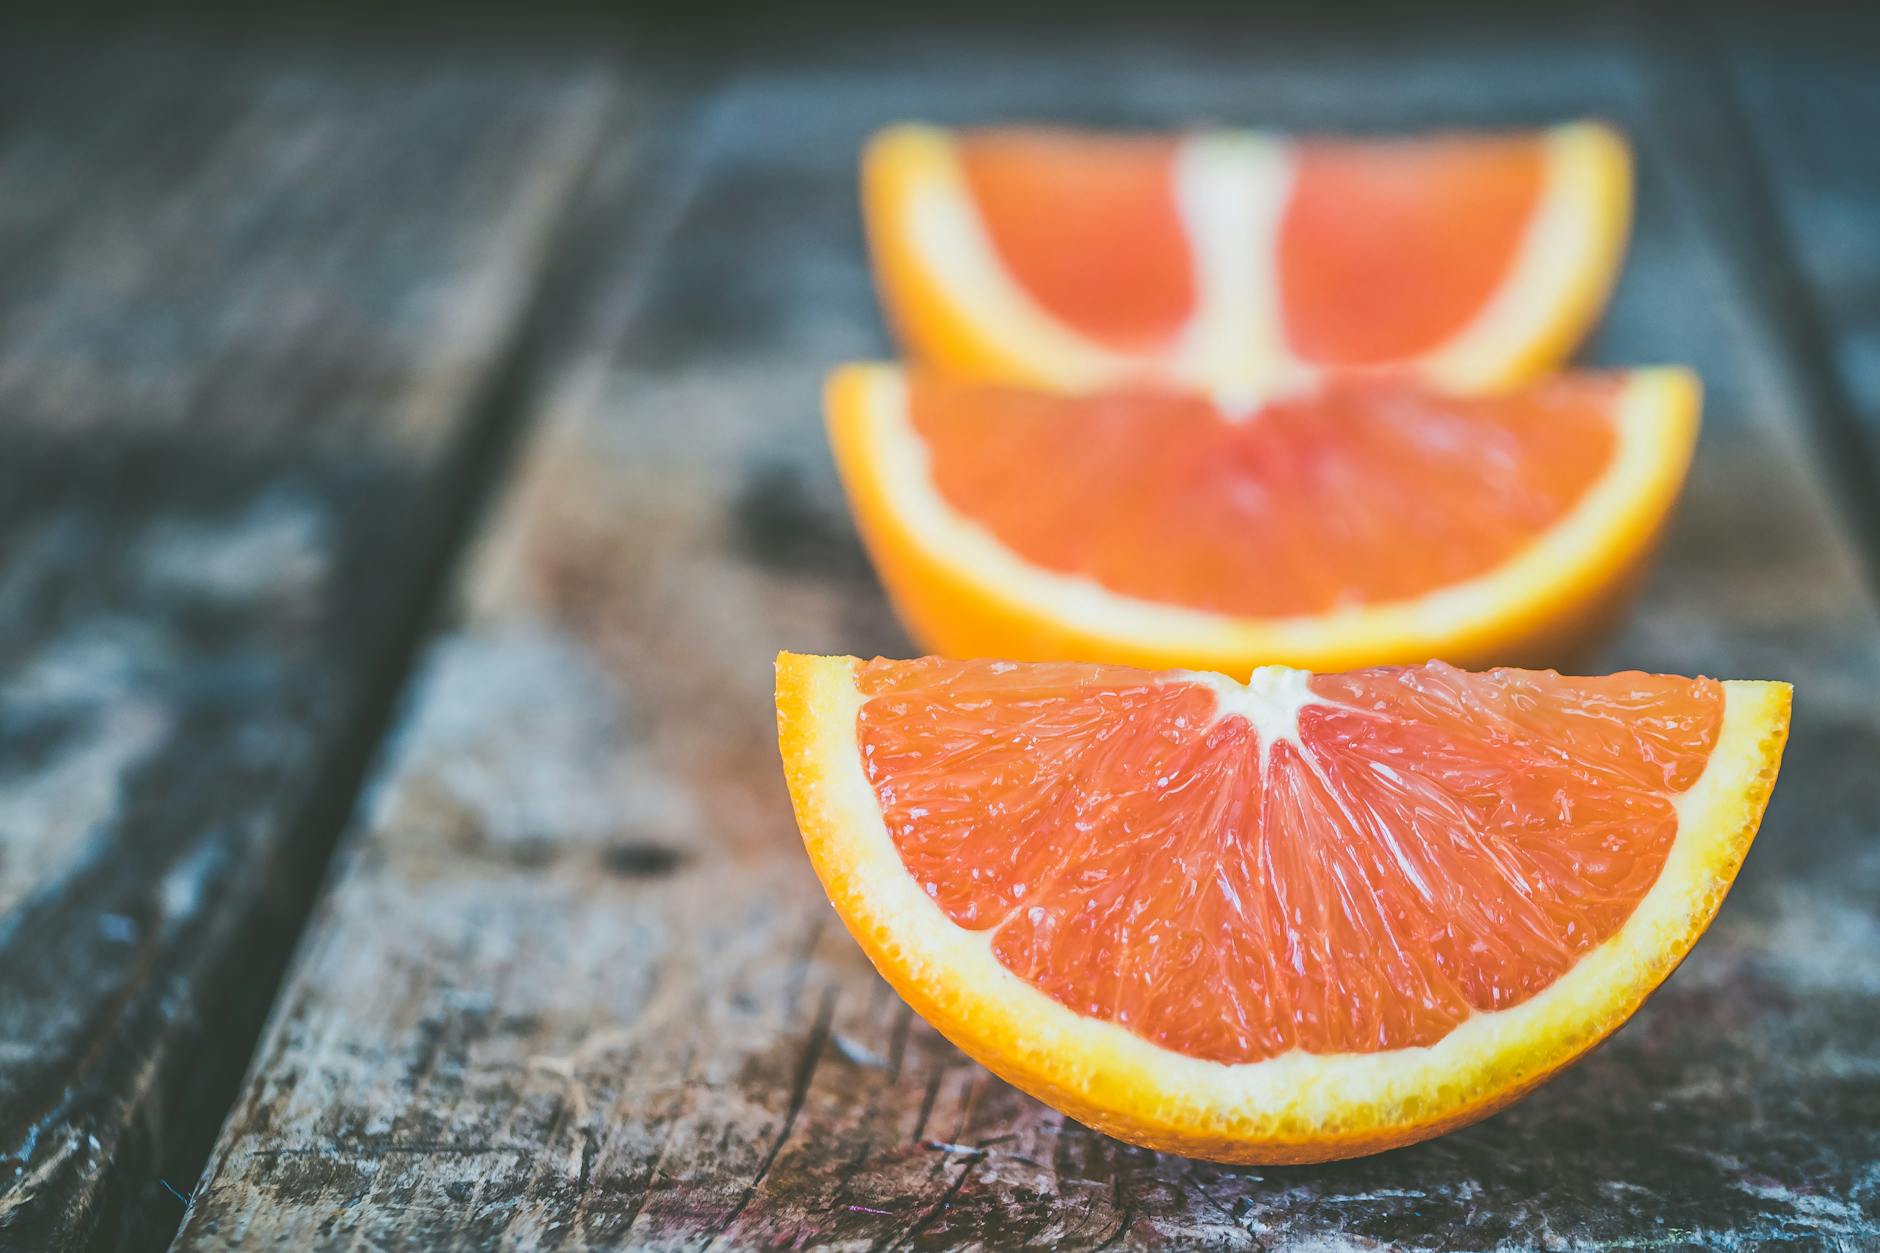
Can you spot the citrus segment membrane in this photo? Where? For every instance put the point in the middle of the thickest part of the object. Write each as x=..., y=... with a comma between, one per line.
x=1348, y=494
x=1332, y=864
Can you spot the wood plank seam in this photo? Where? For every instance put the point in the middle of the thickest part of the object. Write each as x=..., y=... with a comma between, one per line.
x=495, y=412
x=584, y=295
x=84, y=1189
x=1694, y=74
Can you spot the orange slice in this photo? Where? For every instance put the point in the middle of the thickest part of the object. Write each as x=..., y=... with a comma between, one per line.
x=1302, y=918
x=1359, y=523
x=1235, y=258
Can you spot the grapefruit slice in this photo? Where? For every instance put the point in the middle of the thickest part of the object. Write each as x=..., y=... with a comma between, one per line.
x=1361, y=522
x=1236, y=258
x=1302, y=918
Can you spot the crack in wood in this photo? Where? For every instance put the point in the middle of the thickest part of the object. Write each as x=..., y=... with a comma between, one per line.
x=897, y=1045
x=927, y=1099
x=935, y=1211
x=811, y=1057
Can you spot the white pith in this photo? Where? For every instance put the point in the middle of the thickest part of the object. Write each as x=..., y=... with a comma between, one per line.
x=1270, y=701
x=1231, y=191
x=1294, y=1095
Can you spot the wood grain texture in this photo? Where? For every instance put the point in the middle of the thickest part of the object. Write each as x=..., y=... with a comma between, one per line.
x=251, y=299
x=1807, y=87
x=574, y=985
x=1799, y=88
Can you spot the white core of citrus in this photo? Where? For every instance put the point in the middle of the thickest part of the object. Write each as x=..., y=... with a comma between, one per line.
x=1270, y=699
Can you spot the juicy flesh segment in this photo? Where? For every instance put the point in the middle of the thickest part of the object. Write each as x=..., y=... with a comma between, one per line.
x=1334, y=863
x=1089, y=227
x=1357, y=494
x=1386, y=250
x=1383, y=252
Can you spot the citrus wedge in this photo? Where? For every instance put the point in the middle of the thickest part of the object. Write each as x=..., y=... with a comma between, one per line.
x=1302, y=918
x=1237, y=258
x=1363, y=522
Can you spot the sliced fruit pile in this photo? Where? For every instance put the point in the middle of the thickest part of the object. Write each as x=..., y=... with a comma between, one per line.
x=1235, y=258
x=1302, y=918
x=1352, y=524
x=1224, y=404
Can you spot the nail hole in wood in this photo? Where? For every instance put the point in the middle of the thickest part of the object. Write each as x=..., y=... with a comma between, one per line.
x=641, y=859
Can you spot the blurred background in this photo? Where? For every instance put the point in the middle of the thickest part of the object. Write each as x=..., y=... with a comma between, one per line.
x=410, y=460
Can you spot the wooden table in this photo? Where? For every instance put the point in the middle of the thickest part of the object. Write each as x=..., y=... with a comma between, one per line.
x=410, y=461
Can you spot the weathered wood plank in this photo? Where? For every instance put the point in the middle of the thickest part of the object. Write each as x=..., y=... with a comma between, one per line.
x=251, y=302
x=574, y=984
x=1802, y=88
x=1808, y=94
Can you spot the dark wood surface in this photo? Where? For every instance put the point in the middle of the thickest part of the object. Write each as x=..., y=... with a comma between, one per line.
x=570, y=982
x=250, y=301
x=615, y=1009
x=1798, y=92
